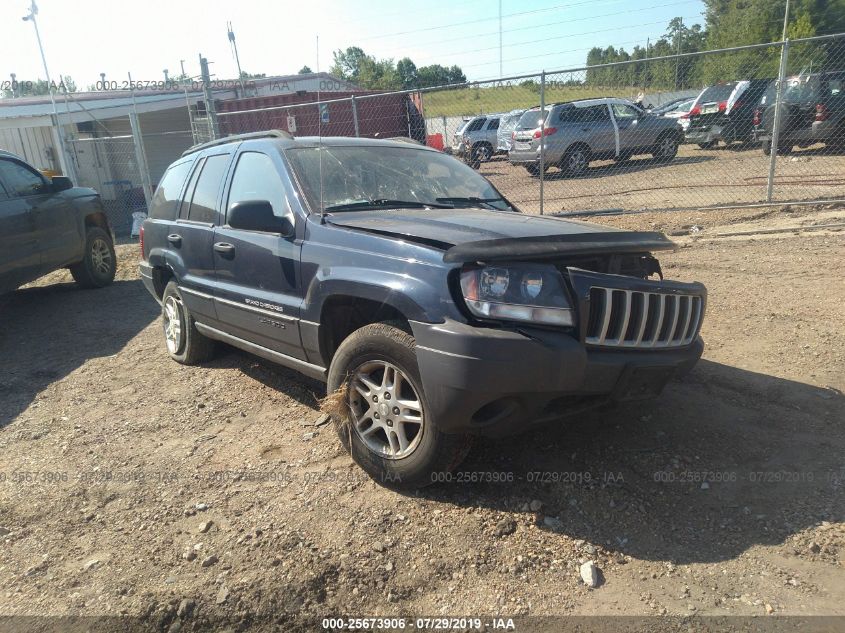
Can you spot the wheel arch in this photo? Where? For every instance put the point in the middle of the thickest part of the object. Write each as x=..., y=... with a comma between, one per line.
x=343, y=314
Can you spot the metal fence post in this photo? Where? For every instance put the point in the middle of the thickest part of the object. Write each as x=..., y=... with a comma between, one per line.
x=355, y=116
x=140, y=151
x=210, y=110
x=784, y=58
x=542, y=137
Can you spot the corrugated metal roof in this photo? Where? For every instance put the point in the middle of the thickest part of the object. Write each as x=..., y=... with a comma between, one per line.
x=41, y=106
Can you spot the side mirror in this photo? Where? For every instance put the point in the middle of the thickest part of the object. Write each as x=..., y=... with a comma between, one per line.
x=61, y=183
x=257, y=215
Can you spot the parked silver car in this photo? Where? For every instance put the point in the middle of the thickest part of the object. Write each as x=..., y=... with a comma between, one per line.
x=507, y=124
x=476, y=141
x=578, y=132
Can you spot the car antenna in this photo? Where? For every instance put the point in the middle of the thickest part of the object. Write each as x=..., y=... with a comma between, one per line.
x=320, y=136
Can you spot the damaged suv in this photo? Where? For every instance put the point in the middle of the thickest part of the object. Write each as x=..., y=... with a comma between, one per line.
x=428, y=303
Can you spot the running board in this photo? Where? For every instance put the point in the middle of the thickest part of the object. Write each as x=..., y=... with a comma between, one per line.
x=303, y=367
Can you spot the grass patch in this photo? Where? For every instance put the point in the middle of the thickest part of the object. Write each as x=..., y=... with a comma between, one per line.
x=472, y=101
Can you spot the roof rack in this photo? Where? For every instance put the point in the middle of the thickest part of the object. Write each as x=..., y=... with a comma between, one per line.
x=239, y=137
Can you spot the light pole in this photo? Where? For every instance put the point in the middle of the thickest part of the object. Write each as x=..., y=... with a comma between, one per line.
x=33, y=11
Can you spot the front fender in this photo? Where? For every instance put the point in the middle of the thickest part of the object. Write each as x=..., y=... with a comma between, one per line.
x=418, y=299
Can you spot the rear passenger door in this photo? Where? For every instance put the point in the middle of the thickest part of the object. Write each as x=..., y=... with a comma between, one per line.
x=599, y=131
x=191, y=242
x=258, y=287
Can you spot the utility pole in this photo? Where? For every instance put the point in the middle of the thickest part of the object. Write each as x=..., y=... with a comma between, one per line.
x=182, y=64
x=14, y=85
x=501, y=71
x=64, y=164
x=234, y=46
x=773, y=147
x=678, y=59
x=211, y=112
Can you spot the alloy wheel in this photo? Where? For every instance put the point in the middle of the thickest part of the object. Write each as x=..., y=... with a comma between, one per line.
x=387, y=411
x=172, y=315
x=577, y=162
x=667, y=147
x=101, y=257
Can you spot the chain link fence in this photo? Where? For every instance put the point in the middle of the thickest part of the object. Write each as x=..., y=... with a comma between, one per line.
x=683, y=131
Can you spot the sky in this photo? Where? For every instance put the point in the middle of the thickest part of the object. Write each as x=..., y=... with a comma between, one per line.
x=83, y=38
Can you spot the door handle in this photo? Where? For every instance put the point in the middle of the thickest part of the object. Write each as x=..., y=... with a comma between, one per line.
x=225, y=249
x=175, y=239
x=586, y=129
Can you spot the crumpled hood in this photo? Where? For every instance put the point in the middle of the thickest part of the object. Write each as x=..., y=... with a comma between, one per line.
x=458, y=226
x=477, y=234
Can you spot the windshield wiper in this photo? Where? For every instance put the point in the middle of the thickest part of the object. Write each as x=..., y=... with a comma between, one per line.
x=384, y=203
x=473, y=200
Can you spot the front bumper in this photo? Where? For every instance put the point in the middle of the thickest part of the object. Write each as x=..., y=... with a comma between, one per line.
x=495, y=382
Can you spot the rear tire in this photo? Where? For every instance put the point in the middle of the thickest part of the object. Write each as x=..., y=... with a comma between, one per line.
x=99, y=264
x=708, y=145
x=185, y=344
x=576, y=161
x=533, y=169
x=378, y=362
x=666, y=148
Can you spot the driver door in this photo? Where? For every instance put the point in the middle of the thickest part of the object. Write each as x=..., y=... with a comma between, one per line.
x=258, y=292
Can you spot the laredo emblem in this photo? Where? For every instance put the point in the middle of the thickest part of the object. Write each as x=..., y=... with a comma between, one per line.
x=263, y=305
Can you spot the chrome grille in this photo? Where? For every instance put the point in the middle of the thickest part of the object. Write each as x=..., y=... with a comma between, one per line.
x=632, y=318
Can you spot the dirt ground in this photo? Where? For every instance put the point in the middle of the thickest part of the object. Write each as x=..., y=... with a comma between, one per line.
x=695, y=178
x=190, y=497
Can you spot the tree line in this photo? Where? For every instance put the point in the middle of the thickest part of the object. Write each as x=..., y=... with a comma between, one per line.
x=366, y=71
x=727, y=23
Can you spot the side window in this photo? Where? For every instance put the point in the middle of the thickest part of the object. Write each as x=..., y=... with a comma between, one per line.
x=568, y=115
x=256, y=178
x=623, y=111
x=493, y=125
x=597, y=113
x=21, y=181
x=204, y=200
x=166, y=199
x=476, y=125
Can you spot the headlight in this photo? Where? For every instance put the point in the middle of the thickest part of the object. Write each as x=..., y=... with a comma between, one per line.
x=532, y=293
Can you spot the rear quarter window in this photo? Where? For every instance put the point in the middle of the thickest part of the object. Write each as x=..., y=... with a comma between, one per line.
x=719, y=92
x=165, y=202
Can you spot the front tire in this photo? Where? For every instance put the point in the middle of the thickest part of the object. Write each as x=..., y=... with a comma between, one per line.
x=482, y=153
x=99, y=264
x=185, y=344
x=390, y=432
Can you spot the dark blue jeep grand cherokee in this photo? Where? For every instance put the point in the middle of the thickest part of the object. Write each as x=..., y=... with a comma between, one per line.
x=401, y=275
